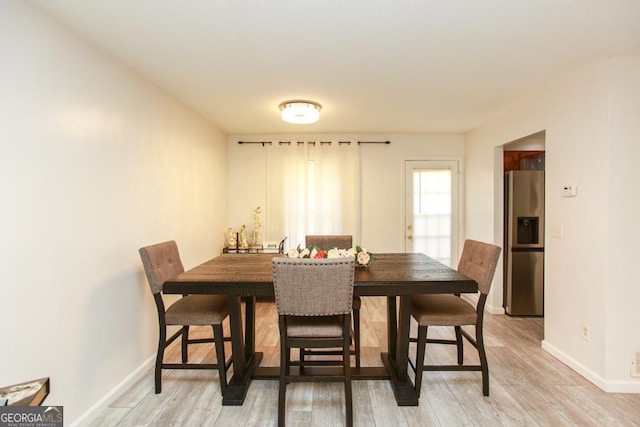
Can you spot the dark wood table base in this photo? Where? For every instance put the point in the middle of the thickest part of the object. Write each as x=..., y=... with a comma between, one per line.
x=362, y=373
x=238, y=387
x=404, y=391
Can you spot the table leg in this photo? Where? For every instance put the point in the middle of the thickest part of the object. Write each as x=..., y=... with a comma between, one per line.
x=237, y=335
x=392, y=325
x=396, y=361
x=402, y=339
x=243, y=356
x=250, y=327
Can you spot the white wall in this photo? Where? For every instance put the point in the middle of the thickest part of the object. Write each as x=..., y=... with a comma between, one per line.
x=623, y=250
x=382, y=168
x=591, y=141
x=96, y=162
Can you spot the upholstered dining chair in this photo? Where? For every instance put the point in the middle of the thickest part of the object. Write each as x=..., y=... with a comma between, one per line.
x=162, y=262
x=340, y=241
x=314, y=298
x=478, y=262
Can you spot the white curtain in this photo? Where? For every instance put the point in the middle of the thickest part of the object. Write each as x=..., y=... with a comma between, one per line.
x=313, y=189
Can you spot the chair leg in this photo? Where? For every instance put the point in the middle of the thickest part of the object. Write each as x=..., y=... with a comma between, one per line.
x=185, y=339
x=346, y=358
x=459, y=345
x=484, y=366
x=420, y=353
x=284, y=370
x=218, y=339
x=159, y=357
x=356, y=333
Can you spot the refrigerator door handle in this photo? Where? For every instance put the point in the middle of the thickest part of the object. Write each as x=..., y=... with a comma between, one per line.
x=525, y=249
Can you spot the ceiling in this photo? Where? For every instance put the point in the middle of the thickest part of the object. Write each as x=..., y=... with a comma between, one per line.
x=376, y=66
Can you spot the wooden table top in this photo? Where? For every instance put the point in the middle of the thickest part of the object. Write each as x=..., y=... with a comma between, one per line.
x=391, y=274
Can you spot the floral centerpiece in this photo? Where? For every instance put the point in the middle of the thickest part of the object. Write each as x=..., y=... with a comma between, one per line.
x=362, y=256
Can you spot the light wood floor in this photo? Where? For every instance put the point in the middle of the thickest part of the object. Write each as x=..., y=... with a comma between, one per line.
x=528, y=387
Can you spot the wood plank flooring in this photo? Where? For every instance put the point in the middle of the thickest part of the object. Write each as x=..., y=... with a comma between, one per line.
x=528, y=387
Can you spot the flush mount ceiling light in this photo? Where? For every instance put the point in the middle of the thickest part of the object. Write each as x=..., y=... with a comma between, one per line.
x=300, y=111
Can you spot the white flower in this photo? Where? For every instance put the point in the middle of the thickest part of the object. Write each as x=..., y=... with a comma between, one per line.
x=352, y=252
x=293, y=253
x=363, y=258
x=304, y=253
x=333, y=253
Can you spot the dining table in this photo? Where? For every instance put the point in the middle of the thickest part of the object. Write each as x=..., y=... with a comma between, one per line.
x=246, y=278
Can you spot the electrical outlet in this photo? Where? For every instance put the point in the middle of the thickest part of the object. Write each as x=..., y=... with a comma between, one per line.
x=585, y=332
x=635, y=364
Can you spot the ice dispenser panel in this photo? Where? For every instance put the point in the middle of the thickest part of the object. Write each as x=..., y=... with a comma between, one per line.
x=528, y=230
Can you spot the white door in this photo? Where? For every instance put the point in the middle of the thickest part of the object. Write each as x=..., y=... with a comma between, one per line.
x=431, y=211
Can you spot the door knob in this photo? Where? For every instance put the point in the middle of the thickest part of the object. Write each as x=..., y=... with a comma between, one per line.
x=410, y=227
x=409, y=236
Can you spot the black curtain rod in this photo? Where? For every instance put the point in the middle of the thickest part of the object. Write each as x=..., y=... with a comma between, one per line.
x=312, y=142
x=255, y=142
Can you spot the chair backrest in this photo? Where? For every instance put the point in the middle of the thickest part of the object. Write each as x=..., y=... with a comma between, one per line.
x=313, y=287
x=478, y=261
x=328, y=241
x=161, y=263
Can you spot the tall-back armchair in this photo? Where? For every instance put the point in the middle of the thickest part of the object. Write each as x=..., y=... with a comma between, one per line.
x=162, y=262
x=340, y=241
x=478, y=262
x=314, y=298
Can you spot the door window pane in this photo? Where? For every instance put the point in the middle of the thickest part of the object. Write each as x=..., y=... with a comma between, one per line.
x=432, y=213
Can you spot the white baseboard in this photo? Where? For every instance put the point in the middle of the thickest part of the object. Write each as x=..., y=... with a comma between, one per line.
x=609, y=386
x=491, y=309
x=114, y=393
x=494, y=310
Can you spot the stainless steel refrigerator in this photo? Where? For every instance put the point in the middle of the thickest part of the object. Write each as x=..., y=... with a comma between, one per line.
x=524, y=243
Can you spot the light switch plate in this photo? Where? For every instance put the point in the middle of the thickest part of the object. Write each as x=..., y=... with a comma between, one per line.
x=557, y=231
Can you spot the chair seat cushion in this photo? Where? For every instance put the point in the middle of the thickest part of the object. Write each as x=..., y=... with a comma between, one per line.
x=198, y=310
x=314, y=326
x=442, y=310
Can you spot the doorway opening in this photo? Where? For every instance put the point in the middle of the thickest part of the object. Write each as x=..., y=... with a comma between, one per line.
x=523, y=226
